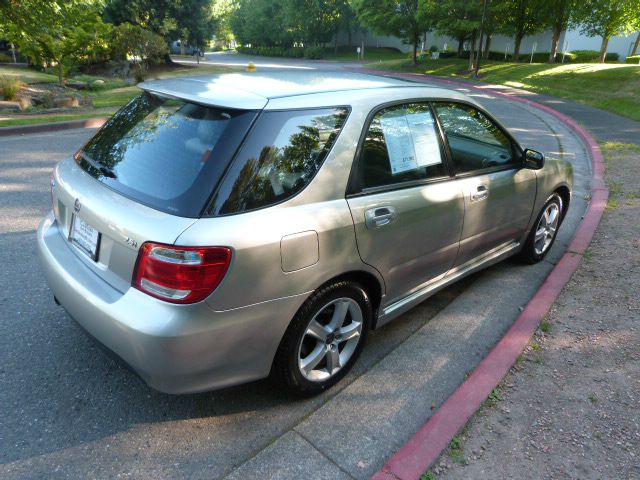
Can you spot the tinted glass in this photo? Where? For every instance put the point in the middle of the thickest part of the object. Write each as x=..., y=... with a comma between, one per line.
x=166, y=153
x=475, y=141
x=401, y=145
x=281, y=156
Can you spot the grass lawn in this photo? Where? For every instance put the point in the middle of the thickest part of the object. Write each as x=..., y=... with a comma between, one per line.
x=613, y=87
x=27, y=75
x=18, y=121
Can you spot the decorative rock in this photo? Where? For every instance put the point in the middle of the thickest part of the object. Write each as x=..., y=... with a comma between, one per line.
x=98, y=82
x=77, y=85
x=6, y=105
x=66, y=102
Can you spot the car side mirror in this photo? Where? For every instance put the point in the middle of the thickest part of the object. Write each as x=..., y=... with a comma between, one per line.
x=533, y=160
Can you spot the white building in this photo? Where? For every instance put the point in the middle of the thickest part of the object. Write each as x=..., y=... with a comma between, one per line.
x=569, y=40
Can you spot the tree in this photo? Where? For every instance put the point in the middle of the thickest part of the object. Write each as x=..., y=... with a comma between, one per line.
x=460, y=19
x=260, y=23
x=636, y=44
x=606, y=18
x=144, y=46
x=522, y=18
x=558, y=15
x=56, y=31
x=173, y=20
x=406, y=19
x=312, y=21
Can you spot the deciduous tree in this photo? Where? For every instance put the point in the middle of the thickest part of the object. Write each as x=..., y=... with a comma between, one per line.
x=406, y=19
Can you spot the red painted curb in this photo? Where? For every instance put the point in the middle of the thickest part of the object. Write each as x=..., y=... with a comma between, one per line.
x=417, y=455
x=96, y=122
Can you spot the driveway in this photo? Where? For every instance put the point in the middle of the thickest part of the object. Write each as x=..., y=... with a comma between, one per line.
x=69, y=411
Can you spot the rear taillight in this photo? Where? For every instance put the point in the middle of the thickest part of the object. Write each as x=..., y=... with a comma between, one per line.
x=180, y=274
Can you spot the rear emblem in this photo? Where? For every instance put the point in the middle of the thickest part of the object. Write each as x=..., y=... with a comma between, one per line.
x=77, y=205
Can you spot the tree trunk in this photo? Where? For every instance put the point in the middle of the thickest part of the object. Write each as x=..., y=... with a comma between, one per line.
x=555, y=43
x=636, y=45
x=472, y=51
x=416, y=39
x=516, y=47
x=487, y=46
x=603, y=49
x=60, y=79
x=460, y=46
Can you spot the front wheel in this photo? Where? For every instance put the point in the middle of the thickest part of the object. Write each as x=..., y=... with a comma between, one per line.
x=544, y=232
x=324, y=339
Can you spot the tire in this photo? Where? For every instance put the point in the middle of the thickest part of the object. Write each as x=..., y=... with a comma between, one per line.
x=324, y=339
x=544, y=231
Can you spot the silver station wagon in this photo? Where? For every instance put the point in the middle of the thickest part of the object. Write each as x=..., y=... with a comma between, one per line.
x=222, y=229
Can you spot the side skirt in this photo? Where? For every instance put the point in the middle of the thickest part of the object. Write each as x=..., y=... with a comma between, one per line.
x=492, y=257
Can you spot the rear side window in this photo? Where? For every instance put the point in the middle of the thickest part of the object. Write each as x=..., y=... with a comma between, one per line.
x=281, y=156
x=166, y=153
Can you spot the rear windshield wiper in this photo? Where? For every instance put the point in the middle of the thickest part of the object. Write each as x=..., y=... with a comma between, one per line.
x=101, y=168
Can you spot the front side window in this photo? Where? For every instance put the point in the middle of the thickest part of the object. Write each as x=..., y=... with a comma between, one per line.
x=475, y=141
x=401, y=146
x=280, y=157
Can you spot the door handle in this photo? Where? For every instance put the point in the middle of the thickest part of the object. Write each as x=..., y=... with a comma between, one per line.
x=481, y=193
x=380, y=216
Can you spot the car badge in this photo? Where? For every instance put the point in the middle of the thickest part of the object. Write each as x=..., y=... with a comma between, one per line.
x=76, y=206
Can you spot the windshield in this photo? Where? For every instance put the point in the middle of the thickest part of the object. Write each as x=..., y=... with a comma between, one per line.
x=166, y=153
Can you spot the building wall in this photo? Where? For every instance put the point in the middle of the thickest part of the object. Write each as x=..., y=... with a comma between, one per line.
x=572, y=40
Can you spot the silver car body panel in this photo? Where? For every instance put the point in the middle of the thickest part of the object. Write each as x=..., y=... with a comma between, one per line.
x=283, y=252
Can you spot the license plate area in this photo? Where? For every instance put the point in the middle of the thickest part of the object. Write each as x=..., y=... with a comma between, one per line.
x=85, y=237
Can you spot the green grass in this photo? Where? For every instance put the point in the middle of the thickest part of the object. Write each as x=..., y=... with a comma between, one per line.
x=113, y=98
x=612, y=87
x=15, y=122
x=27, y=75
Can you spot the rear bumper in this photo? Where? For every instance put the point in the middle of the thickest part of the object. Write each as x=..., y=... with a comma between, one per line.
x=174, y=348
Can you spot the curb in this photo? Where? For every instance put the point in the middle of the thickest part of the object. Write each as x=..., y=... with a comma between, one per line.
x=96, y=122
x=424, y=448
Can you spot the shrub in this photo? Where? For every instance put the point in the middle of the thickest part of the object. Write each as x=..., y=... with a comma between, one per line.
x=314, y=53
x=591, y=56
x=10, y=87
x=433, y=48
x=4, y=58
x=633, y=59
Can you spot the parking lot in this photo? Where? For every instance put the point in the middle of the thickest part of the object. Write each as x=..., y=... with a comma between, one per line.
x=69, y=411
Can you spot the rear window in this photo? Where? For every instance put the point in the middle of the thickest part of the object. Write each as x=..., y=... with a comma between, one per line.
x=282, y=154
x=166, y=153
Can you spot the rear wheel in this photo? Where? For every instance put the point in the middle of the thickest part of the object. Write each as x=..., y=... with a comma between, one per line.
x=324, y=339
x=544, y=231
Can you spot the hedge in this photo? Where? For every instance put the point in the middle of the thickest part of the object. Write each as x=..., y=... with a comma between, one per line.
x=292, y=52
x=633, y=59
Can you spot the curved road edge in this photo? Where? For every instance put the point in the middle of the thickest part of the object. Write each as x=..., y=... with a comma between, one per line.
x=419, y=453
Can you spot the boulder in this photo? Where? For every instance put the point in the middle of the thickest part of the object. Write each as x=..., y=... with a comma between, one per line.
x=66, y=102
x=11, y=106
x=98, y=82
x=78, y=85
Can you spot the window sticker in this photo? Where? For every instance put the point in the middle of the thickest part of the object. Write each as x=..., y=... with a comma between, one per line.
x=411, y=142
x=425, y=140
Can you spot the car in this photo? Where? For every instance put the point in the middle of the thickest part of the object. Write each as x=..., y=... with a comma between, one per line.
x=223, y=229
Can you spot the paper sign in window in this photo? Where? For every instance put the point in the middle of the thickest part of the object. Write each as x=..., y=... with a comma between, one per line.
x=411, y=142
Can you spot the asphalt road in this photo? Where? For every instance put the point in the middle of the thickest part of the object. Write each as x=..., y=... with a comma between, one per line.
x=69, y=411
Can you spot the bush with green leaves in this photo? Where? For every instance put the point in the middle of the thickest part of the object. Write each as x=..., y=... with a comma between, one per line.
x=633, y=59
x=314, y=53
x=4, y=58
x=591, y=56
x=10, y=88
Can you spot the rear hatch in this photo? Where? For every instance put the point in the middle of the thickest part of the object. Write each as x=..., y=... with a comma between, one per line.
x=145, y=176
